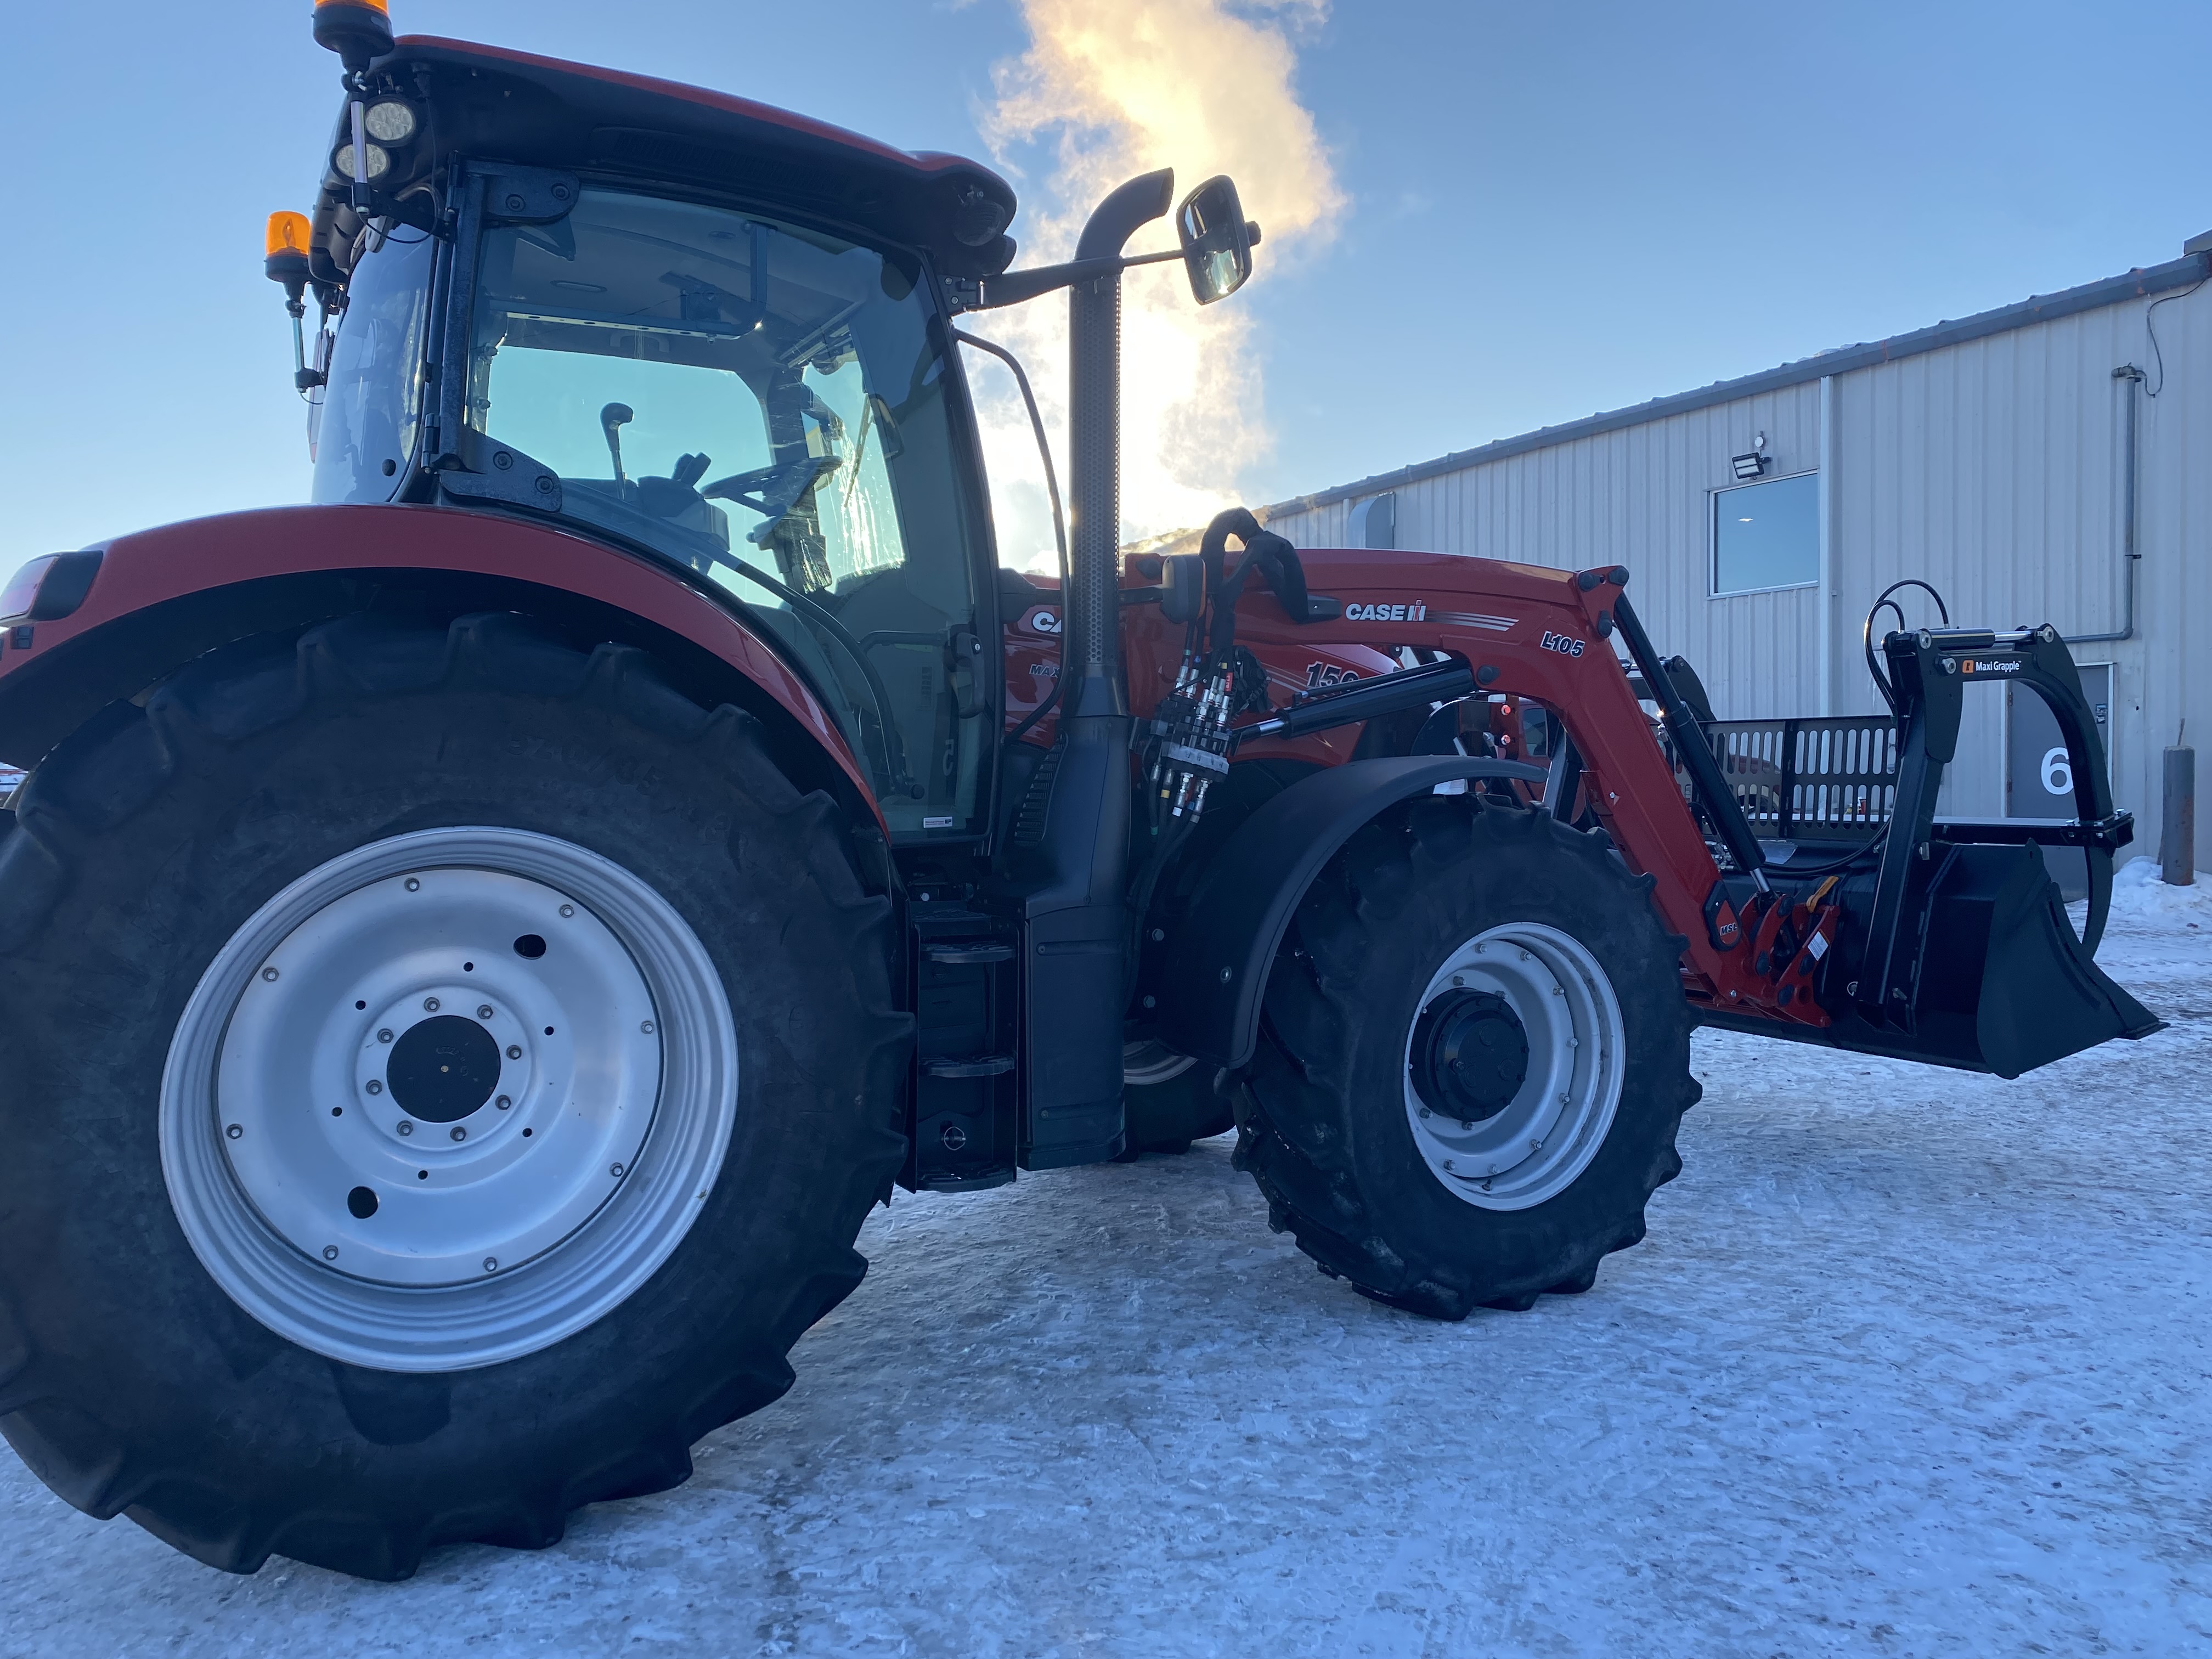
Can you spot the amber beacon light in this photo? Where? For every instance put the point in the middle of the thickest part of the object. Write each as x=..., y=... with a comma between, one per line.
x=284, y=251
x=284, y=259
x=359, y=30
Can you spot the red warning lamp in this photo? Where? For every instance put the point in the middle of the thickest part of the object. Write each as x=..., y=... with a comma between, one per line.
x=359, y=30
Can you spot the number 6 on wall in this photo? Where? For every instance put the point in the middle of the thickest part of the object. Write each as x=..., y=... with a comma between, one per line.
x=2057, y=772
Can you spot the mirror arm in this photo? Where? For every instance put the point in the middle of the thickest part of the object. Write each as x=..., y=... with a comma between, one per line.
x=989, y=293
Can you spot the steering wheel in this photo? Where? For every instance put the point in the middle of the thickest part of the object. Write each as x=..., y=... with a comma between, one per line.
x=772, y=491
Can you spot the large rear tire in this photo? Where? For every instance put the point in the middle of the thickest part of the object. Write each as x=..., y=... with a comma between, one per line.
x=1473, y=1060
x=627, y=1207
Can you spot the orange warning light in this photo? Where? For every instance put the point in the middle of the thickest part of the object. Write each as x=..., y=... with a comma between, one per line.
x=359, y=30
x=289, y=233
x=284, y=255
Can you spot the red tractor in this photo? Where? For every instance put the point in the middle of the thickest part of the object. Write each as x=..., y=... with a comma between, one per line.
x=477, y=946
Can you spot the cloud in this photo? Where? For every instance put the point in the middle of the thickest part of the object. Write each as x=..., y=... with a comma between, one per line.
x=1108, y=89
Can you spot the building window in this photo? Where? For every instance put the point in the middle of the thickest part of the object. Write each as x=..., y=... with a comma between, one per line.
x=1767, y=535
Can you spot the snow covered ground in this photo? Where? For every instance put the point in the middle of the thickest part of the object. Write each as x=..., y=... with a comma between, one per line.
x=1912, y=1364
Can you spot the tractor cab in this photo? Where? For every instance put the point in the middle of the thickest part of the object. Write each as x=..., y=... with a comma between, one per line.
x=710, y=333
x=715, y=334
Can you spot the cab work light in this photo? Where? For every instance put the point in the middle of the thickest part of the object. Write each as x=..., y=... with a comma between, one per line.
x=49, y=587
x=392, y=121
x=377, y=158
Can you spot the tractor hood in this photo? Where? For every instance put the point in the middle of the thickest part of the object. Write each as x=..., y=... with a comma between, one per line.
x=494, y=104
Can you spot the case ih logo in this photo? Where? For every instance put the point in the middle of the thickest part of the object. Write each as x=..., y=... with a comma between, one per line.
x=1386, y=613
x=1565, y=644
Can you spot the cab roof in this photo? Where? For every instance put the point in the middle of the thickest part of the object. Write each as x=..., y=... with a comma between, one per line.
x=497, y=104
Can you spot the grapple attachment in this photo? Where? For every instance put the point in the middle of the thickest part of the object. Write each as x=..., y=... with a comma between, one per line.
x=1957, y=949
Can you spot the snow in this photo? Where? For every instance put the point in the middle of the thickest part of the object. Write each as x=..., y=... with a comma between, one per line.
x=1913, y=1363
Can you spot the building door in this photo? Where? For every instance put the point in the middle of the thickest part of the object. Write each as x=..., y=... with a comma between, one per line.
x=2039, y=781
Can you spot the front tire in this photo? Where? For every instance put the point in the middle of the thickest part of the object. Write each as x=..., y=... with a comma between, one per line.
x=214, y=889
x=1473, y=1060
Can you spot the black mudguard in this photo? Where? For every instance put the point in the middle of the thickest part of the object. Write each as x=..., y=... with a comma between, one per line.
x=1219, y=954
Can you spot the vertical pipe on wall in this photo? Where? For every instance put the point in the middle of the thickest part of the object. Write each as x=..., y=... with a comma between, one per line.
x=2130, y=558
x=1825, y=609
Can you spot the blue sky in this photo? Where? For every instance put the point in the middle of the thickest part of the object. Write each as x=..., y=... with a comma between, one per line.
x=1550, y=210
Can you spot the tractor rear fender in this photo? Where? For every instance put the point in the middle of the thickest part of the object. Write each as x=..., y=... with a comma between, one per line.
x=163, y=596
x=1219, y=958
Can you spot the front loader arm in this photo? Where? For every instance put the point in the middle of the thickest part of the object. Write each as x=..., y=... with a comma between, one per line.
x=1528, y=631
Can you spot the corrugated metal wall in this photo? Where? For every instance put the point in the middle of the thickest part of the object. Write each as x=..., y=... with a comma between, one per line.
x=1993, y=468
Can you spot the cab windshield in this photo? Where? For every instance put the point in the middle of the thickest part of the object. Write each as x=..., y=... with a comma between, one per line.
x=768, y=405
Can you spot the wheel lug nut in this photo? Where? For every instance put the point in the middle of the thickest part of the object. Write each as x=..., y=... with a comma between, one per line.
x=568, y=909
x=459, y=1134
x=646, y=1026
x=1427, y=1113
x=329, y=1252
x=269, y=974
x=413, y=885
x=384, y=1035
x=235, y=1130
x=373, y=1087
x=491, y=1264
x=484, y=1012
x=504, y=1101
x=614, y=1170
x=405, y=1128
x=429, y=1005
x=514, y=1051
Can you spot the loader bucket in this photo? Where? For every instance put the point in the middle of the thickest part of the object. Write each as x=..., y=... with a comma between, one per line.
x=2002, y=984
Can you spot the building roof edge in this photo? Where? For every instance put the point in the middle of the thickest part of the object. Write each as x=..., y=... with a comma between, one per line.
x=2036, y=309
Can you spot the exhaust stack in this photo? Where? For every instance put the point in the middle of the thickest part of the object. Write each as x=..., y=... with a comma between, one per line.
x=1075, y=919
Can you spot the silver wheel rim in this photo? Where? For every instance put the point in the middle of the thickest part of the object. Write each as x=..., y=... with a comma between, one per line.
x=332, y=1049
x=1541, y=1141
x=1149, y=1063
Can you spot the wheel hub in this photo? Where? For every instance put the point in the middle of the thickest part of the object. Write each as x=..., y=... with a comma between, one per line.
x=444, y=1069
x=485, y=1064
x=1470, y=1054
x=1514, y=1066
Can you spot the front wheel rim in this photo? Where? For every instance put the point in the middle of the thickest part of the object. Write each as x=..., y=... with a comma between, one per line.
x=449, y=1099
x=1532, y=1145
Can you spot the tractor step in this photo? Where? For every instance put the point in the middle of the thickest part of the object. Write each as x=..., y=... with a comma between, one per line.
x=961, y=1119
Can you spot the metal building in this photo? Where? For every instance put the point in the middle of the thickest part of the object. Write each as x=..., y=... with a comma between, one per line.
x=2049, y=461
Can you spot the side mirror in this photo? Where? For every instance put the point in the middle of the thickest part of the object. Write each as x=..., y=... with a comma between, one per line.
x=1182, y=586
x=1217, y=240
